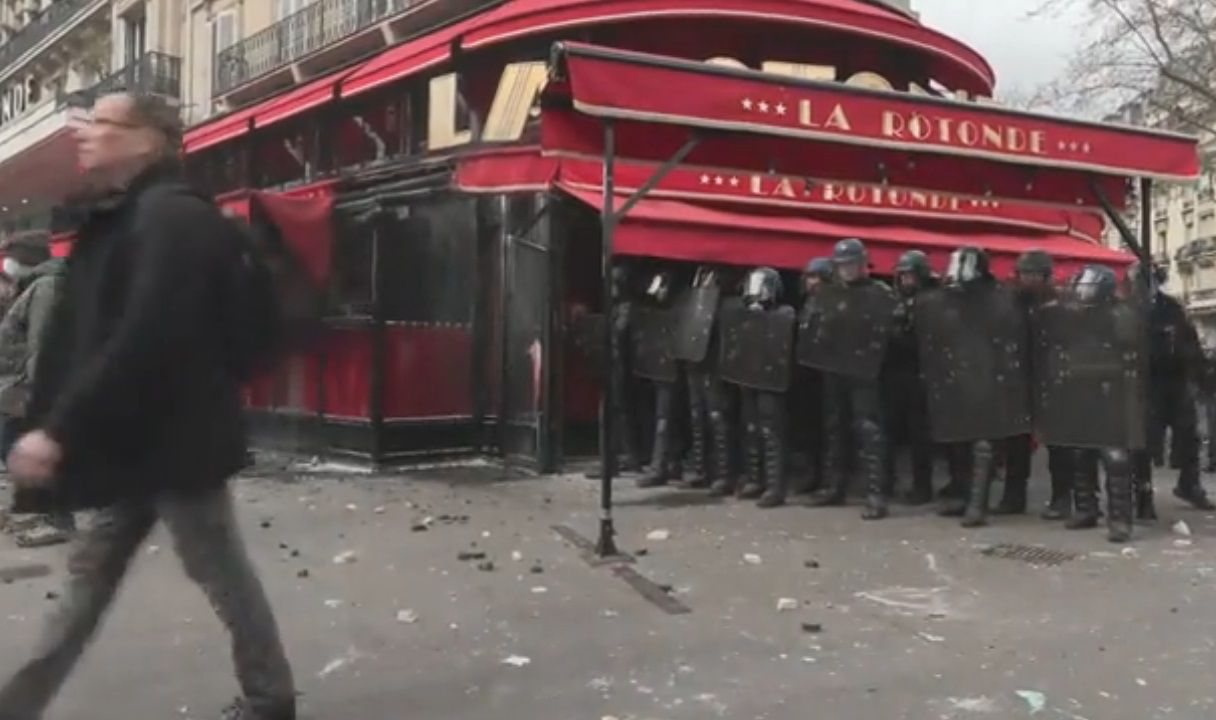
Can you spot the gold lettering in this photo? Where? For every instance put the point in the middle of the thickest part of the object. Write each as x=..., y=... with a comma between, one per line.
x=785, y=188
x=945, y=128
x=968, y=133
x=992, y=136
x=920, y=127
x=832, y=192
x=441, y=125
x=1038, y=142
x=920, y=200
x=757, y=184
x=893, y=125
x=838, y=119
x=1017, y=140
x=800, y=70
x=897, y=197
x=518, y=89
x=856, y=195
x=806, y=114
x=870, y=80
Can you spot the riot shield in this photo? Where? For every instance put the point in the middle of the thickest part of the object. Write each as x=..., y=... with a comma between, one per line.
x=697, y=313
x=847, y=330
x=1090, y=375
x=757, y=346
x=652, y=334
x=974, y=361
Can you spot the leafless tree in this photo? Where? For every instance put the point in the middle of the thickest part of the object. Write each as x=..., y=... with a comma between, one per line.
x=1161, y=53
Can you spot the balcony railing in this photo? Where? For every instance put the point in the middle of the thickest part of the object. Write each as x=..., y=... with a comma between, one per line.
x=154, y=73
x=41, y=26
x=300, y=34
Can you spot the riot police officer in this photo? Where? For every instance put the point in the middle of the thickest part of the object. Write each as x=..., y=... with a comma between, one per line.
x=973, y=339
x=848, y=340
x=757, y=348
x=1175, y=367
x=696, y=347
x=906, y=412
x=1095, y=366
x=817, y=273
x=653, y=361
x=1033, y=282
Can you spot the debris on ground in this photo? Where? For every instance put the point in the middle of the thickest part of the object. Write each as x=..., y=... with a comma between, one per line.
x=540, y=590
x=812, y=628
x=517, y=661
x=930, y=637
x=1183, y=543
x=1181, y=528
x=333, y=603
x=302, y=574
x=466, y=555
x=811, y=564
x=409, y=617
x=378, y=510
x=486, y=566
x=1130, y=552
x=536, y=569
x=658, y=535
x=346, y=557
x=786, y=604
x=641, y=552
x=752, y=559
x=1036, y=700
x=517, y=556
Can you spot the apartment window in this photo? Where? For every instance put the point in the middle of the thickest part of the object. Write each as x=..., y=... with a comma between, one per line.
x=223, y=32
x=135, y=34
x=283, y=8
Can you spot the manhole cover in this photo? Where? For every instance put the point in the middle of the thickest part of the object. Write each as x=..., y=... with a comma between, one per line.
x=1031, y=554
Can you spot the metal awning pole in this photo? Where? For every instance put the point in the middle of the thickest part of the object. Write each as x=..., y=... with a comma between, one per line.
x=1146, y=229
x=606, y=546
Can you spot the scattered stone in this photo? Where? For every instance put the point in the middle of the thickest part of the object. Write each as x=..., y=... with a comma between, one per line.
x=302, y=574
x=333, y=604
x=517, y=661
x=1035, y=699
x=467, y=555
x=419, y=528
x=295, y=553
x=409, y=617
x=486, y=566
x=786, y=604
x=812, y=628
x=536, y=570
x=282, y=546
x=352, y=507
x=658, y=535
x=52, y=595
x=931, y=638
x=516, y=556
x=540, y=590
x=1130, y=552
x=752, y=559
x=1181, y=528
x=346, y=558
x=1141, y=682
x=378, y=510
x=811, y=564
x=153, y=549
x=642, y=552
x=1183, y=543
x=668, y=589
x=265, y=524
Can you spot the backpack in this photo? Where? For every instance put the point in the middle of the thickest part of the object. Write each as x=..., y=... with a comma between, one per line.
x=272, y=305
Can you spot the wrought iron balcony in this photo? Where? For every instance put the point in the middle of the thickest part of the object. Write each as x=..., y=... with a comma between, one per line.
x=317, y=26
x=155, y=73
x=41, y=26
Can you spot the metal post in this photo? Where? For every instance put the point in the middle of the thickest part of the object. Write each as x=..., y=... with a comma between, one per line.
x=1146, y=229
x=378, y=385
x=606, y=546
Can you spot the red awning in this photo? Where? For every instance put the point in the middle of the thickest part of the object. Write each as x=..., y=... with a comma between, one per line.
x=689, y=232
x=635, y=86
x=228, y=127
x=957, y=65
x=506, y=170
x=306, y=224
x=311, y=94
x=401, y=61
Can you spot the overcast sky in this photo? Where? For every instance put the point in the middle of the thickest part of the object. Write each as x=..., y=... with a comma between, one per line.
x=1025, y=52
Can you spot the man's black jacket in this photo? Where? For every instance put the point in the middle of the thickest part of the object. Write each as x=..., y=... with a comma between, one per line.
x=132, y=380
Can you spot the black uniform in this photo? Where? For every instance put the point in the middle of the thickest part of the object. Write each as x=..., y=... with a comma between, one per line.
x=653, y=328
x=756, y=355
x=907, y=413
x=709, y=412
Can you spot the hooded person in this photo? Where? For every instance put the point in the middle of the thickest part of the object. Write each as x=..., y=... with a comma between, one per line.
x=37, y=279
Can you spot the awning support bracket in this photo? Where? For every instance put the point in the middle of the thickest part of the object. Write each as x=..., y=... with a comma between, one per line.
x=605, y=546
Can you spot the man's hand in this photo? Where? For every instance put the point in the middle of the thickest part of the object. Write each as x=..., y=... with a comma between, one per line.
x=34, y=460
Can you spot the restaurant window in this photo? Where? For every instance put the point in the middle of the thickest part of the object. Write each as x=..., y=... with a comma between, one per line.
x=431, y=262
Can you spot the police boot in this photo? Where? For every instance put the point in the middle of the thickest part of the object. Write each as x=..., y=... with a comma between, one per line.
x=1146, y=507
x=724, y=479
x=697, y=457
x=1013, y=501
x=1060, y=506
x=1193, y=494
x=774, y=470
x=660, y=465
x=753, y=486
x=1085, y=493
x=878, y=485
x=1119, y=505
x=976, y=512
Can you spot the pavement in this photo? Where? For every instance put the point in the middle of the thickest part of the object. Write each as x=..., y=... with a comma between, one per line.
x=391, y=612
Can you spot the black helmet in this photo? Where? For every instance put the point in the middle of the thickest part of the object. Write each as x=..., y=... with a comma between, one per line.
x=1036, y=262
x=916, y=263
x=820, y=268
x=762, y=287
x=851, y=260
x=968, y=264
x=1094, y=284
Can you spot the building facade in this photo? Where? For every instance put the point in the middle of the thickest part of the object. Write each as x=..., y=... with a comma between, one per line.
x=54, y=56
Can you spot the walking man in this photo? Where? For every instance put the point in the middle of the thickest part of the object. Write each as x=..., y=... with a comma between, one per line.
x=137, y=407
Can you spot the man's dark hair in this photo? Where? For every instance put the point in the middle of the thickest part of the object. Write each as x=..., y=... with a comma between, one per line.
x=158, y=113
